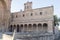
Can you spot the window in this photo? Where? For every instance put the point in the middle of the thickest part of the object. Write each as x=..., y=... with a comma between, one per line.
x=23, y=15
x=16, y=16
x=40, y=13
x=31, y=14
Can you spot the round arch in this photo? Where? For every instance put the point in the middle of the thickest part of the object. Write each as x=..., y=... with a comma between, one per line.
x=29, y=27
x=25, y=27
x=21, y=27
x=45, y=27
x=40, y=27
x=10, y=28
x=34, y=27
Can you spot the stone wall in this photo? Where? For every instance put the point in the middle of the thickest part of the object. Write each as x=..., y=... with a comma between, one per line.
x=4, y=14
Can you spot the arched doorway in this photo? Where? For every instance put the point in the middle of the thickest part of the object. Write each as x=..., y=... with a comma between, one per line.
x=25, y=27
x=34, y=27
x=18, y=28
x=10, y=28
x=45, y=27
x=21, y=28
x=39, y=27
x=29, y=27
x=13, y=28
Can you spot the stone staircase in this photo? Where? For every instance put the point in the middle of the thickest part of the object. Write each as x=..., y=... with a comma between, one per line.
x=58, y=38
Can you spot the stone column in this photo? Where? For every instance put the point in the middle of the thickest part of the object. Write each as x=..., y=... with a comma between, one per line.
x=37, y=28
x=16, y=28
x=19, y=28
x=23, y=28
x=32, y=28
x=27, y=28
x=42, y=28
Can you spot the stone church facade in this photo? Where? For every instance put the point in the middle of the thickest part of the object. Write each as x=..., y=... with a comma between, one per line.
x=32, y=20
x=39, y=20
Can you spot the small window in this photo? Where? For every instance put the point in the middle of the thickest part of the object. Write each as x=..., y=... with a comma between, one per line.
x=40, y=13
x=23, y=15
x=16, y=16
x=31, y=14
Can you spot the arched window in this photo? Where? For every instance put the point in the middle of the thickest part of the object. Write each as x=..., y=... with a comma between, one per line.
x=30, y=25
x=31, y=14
x=25, y=25
x=14, y=26
x=23, y=15
x=40, y=13
x=21, y=25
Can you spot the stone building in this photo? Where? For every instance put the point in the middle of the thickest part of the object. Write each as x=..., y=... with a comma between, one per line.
x=32, y=20
x=39, y=20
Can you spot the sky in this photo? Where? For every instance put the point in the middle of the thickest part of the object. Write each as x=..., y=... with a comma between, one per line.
x=17, y=5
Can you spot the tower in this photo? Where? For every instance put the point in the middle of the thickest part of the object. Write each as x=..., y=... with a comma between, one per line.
x=5, y=6
x=28, y=6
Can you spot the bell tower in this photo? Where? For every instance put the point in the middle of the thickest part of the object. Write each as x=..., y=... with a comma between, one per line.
x=28, y=6
x=5, y=6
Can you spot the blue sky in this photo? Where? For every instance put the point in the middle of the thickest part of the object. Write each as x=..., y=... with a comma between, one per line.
x=17, y=5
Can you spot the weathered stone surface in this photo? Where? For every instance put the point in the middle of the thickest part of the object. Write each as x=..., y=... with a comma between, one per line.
x=5, y=6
